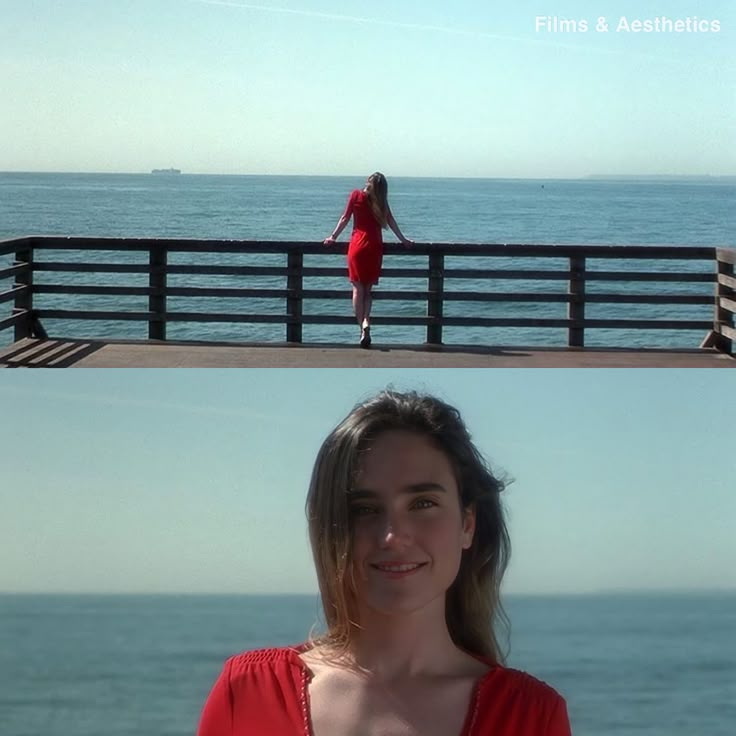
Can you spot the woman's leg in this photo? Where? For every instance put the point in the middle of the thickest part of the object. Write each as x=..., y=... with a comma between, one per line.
x=367, y=303
x=365, y=325
x=358, y=301
x=362, y=301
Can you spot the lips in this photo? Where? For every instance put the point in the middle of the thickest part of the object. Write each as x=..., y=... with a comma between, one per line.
x=398, y=567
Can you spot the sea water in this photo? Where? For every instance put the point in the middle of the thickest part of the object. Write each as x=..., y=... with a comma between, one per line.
x=306, y=208
x=85, y=665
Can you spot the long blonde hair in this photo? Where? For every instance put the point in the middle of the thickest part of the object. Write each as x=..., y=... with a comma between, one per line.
x=377, y=190
x=473, y=609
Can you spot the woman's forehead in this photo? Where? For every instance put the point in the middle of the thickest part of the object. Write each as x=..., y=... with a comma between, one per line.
x=402, y=457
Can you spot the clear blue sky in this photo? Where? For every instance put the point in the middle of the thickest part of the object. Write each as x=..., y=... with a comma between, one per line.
x=413, y=88
x=194, y=481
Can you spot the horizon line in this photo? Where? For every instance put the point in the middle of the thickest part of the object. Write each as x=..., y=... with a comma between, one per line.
x=392, y=176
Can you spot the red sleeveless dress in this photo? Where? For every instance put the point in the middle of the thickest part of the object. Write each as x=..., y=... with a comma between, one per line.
x=264, y=693
x=365, y=252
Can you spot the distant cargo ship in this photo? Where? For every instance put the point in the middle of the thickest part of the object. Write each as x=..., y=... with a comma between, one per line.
x=166, y=171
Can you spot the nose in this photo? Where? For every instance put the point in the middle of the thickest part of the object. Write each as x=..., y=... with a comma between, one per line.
x=395, y=532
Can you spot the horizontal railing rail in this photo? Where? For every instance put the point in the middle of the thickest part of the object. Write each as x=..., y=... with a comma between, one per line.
x=593, y=275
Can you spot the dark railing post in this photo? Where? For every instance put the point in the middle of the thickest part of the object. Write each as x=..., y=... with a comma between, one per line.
x=723, y=319
x=157, y=259
x=294, y=281
x=24, y=301
x=436, y=297
x=576, y=305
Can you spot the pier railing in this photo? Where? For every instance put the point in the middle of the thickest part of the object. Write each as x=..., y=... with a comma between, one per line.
x=445, y=269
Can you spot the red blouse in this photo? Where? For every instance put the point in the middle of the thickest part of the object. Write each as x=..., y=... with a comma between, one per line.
x=365, y=252
x=264, y=693
x=364, y=221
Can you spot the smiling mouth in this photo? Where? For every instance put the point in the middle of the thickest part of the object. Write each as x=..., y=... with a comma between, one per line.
x=408, y=567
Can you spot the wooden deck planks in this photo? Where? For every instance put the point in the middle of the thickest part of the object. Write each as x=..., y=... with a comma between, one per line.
x=121, y=354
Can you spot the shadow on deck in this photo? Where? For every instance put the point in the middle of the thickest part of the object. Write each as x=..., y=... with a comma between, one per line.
x=52, y=353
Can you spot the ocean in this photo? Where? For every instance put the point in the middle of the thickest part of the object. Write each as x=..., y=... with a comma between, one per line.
x=85, y=665
x=306, y=208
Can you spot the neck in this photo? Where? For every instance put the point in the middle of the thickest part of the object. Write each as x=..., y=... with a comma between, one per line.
x=393, y=647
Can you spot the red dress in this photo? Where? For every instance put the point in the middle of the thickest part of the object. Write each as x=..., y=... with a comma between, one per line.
x=264, y=693
x=365, y=251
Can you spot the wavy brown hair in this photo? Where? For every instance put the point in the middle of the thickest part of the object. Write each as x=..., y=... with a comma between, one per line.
x=473, y=608
x=378, y=197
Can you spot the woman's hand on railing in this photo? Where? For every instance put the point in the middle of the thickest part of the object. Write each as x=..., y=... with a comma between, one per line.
x=329, y=241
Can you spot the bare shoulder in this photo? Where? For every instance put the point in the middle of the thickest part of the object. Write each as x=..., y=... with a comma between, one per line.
x=319, y=662
x=311, y=653
x=468, y=665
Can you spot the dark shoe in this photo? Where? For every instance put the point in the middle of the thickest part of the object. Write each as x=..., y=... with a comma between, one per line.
x=365, y=337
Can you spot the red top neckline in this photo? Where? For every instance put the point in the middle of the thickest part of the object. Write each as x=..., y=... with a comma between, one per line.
x=293, y=652
x=266, y=691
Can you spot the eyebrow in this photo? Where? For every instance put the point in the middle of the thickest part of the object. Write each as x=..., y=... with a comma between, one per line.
x=406, y=490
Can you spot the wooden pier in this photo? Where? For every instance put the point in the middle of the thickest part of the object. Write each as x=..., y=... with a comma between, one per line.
x=698, y=277
x=33, y=353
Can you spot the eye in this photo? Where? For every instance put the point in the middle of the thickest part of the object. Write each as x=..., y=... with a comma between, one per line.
x=424, y=503
x=361, y=510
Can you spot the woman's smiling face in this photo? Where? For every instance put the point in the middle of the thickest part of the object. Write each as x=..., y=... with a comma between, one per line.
x=408, y=528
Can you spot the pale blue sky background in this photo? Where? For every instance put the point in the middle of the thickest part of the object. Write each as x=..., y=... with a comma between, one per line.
x=194, y=481
x=410, y=87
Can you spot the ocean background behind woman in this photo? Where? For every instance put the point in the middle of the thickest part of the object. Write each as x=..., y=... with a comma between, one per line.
x=297, y=208
x=628, y=665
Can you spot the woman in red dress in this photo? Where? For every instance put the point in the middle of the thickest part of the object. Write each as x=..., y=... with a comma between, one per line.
x=370, y=212
x=410, y=544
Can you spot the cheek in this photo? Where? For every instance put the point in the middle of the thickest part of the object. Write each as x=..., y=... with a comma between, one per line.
x=363, y=540
x=443, y=531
